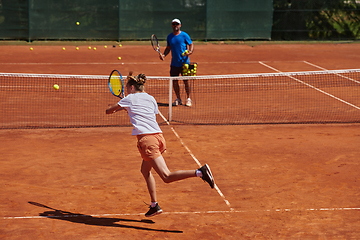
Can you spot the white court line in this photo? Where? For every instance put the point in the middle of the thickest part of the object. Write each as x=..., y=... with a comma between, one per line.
x=311, y=86
x=195, y=159
x=188, y=213
x=337, y=74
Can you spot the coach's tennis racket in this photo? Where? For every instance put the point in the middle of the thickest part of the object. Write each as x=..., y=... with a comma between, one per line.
x=155, y=44
x=116, y=84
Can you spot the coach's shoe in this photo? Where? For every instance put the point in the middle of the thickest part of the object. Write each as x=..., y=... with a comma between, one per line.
x=206, y=175
x=188, y=102
x=177, y=102
x=154, y=211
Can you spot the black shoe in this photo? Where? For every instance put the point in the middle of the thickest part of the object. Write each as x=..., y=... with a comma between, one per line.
x=154, y=211
x=207, y=176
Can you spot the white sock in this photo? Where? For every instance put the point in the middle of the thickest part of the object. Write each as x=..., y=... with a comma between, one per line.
x=198, y=173
x=153, y=204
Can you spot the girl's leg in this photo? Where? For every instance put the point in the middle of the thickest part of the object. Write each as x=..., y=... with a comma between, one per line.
x=149, y=178
x=161, y=168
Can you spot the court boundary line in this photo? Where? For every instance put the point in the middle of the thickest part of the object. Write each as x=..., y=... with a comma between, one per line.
x=311, y=86
x=194, y=158
x=196, y=212
x=337, y=74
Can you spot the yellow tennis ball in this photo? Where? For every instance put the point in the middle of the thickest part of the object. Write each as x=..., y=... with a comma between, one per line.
x=186, y=51
x=94, y=48
x=31, y=49
x=186, y=65
x=105, y=46
x=77, y=23
x=56, y=87
x=63, y=48
x=120, y=45
x=89, y=48
x=77, y=48
x=119, y=58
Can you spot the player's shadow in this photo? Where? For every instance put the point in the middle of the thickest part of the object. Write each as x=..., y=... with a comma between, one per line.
x=97, y=221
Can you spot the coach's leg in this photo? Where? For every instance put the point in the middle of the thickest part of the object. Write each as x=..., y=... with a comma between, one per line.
x=187, y=88
x=176, y=88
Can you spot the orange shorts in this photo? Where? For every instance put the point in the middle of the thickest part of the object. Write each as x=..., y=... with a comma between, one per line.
x=151, y=146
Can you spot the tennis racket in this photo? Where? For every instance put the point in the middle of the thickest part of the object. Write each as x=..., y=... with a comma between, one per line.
x=116, y=84
x=155, y=44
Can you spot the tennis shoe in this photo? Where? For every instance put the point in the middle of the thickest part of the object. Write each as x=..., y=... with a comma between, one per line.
x=188, y=102
x=206, y=175
x=177, y=102
x=154, y=211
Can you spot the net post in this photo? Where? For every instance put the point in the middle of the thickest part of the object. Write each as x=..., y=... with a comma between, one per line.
x=170, y=98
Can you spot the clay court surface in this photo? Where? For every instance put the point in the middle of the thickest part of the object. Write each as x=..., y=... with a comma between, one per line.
x=284, y=181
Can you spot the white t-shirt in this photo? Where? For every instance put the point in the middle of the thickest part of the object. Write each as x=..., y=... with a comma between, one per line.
x=142, y=109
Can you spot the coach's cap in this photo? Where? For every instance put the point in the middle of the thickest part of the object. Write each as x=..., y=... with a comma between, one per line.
x=176, y=20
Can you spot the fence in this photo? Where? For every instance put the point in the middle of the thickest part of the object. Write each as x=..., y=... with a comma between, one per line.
x=134, y=19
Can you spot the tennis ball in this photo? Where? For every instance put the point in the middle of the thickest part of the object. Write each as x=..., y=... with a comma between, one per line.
x=120, y=45
x=56, y=87
x=94, y=48
x=89, y=48
x=31, y=49
x=77, y=48
x=195, y=65
x=186, y=65
x=119, y=58
x=105, y=46
x=77, y=23
x=63, y=48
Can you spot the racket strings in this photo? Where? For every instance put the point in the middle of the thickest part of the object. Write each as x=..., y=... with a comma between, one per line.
x=155, y=43
x=116, y=85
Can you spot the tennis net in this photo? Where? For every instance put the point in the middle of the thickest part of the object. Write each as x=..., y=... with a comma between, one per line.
x=29, y=100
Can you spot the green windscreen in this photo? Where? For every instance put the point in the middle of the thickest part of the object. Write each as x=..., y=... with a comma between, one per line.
x=134, y=19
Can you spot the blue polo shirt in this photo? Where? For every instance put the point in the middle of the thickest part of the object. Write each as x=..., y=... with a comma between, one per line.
x=178, y=45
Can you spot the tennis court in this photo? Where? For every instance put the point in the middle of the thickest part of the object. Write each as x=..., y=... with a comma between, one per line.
x=274, y=181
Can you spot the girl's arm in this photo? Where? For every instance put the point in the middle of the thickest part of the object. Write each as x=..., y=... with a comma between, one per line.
x=114, y=108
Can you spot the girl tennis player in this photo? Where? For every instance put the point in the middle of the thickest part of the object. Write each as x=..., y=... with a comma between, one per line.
x=142, y=109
